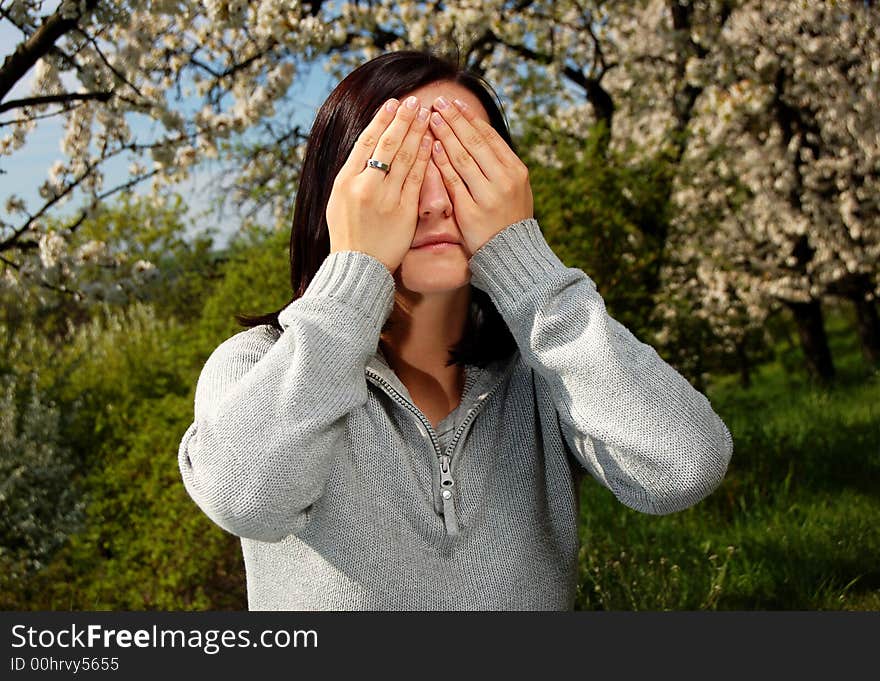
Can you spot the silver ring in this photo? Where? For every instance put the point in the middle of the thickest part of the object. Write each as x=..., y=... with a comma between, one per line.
x=375, y=163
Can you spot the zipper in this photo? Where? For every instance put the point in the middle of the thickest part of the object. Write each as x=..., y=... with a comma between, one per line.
x=446, y=485
x=471, y=415
x=447, y=482
x=449, y=520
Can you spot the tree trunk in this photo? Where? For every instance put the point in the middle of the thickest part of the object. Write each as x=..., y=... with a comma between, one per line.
x=854, y=287
x=814, y=342
x=699, y=382
x=868, y=324
x=742, y=360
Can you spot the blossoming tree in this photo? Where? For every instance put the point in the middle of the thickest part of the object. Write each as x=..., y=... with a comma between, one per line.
x=763, y=110
x=782, y=163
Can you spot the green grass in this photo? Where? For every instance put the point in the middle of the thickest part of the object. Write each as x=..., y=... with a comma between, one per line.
x=795, y=525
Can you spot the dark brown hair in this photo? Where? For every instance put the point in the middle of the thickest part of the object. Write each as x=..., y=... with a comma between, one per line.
x=338, y=123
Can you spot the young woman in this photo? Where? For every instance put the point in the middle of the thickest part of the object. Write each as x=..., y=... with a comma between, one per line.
x=410, y=431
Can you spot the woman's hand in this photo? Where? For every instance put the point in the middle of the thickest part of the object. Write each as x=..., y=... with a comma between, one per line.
x=376, y=212
x=487, y=182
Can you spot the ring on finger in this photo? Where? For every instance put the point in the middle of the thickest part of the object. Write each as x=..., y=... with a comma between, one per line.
x=379, y=165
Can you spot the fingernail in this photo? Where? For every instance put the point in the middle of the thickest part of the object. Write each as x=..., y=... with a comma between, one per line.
x=412, y=102
x=460, y=104
x=423, y=114
x=436, y=118
x=391, y=105
x=441, y=102
x=438, y=147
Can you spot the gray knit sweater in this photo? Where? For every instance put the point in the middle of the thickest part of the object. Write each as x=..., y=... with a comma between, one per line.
x=307, y=446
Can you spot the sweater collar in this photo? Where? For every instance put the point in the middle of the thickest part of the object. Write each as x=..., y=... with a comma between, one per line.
x=479, y=381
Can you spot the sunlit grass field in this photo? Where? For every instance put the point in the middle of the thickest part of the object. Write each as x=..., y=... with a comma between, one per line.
x=794, y=526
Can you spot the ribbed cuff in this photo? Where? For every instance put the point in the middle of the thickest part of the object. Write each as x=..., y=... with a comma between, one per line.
x=513, y=263
x=356, y=279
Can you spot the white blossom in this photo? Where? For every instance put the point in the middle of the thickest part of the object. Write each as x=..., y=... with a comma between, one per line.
x=750, y=185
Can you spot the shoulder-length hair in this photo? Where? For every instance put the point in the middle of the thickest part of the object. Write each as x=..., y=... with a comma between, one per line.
x=338, y=123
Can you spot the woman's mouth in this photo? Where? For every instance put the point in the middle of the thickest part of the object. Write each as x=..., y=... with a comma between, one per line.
x=436, y=246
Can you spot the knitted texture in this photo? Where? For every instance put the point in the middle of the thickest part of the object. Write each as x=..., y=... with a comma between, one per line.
x=307, y=445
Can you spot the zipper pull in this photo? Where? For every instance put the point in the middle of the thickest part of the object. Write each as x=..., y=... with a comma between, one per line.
x=446, y=485
x=446, y=480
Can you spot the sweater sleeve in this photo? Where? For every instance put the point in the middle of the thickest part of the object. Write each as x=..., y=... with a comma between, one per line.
x=633, y=421
x=270, y=408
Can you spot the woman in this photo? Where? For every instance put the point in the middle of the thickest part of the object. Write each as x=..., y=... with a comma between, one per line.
x=410, y=430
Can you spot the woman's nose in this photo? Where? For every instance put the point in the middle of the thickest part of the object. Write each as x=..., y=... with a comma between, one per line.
x=434, y=199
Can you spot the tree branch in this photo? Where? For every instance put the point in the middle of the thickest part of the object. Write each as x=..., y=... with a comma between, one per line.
x=107, y=62
x=599, y=99
x=54, y=99
x=12, y=241
x=13, y=265
x=122, y=187
x=37, y=45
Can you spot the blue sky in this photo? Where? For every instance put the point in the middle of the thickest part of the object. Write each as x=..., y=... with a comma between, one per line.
x=28, y=167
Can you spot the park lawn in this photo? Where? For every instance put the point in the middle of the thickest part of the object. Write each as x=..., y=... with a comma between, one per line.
x=794, y=525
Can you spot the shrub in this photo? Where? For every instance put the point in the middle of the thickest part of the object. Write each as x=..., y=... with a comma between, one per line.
x=39, y=500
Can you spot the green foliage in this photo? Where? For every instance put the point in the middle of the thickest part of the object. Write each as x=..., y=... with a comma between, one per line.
x=142, y=230
x=127, y=378
x=605, y=215
x=112, y=363
x=256, y=280
x=39, y=505
x=145, y=545
x=130, y=230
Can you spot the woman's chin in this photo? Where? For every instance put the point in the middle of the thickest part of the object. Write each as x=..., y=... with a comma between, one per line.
x=419, y=279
